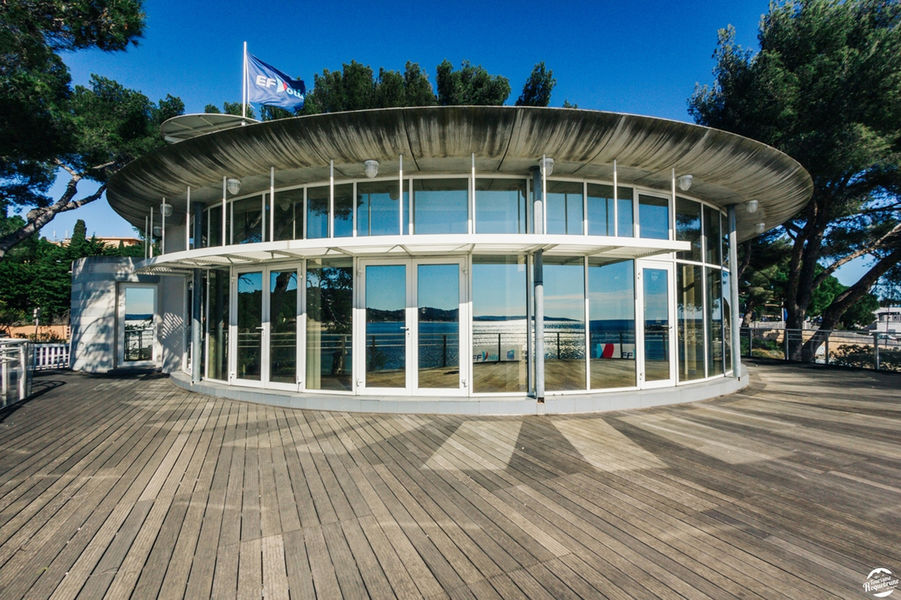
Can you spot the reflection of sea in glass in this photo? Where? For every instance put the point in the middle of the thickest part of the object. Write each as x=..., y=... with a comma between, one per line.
x=564, y=324
x=611, y=313
x=438, y=322
x=139, y=307
x=656, y=325
x=499, y=326
x=386, y=330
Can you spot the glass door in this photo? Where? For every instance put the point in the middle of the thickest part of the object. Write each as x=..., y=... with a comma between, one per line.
x=249, y=327
x=411, y=337
x=387, y=331
x=657, y=343
x=282, y=345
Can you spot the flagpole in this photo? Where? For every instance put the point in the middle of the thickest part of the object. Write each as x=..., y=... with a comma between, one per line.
x=244, y=85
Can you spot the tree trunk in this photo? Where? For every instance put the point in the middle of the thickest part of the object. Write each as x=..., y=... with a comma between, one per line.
x=845, y=300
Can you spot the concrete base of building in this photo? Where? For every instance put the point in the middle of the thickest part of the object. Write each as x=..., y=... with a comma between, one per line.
x=557, y=404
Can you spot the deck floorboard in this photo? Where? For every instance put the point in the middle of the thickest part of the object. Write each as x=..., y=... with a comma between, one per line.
x=125, y=487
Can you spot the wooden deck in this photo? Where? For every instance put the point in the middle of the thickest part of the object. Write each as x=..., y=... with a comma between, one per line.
x=130, y=487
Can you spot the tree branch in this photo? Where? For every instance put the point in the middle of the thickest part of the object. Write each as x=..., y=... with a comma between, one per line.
x=39, y=217
x=896, y=230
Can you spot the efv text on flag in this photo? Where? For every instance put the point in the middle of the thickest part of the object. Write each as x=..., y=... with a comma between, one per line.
x=267, y=85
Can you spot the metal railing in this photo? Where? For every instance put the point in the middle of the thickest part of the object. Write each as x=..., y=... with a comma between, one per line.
x=15, y=376
x=49, y=356
x=870, y=350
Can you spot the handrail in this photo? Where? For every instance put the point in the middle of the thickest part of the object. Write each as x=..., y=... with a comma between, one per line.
x=15, y=376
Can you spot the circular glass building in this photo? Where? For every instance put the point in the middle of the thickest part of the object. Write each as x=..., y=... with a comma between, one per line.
x=452, y=259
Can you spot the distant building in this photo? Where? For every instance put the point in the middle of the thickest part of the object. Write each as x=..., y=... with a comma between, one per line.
x=887, y=320
x=440, y=259
x=109, y=242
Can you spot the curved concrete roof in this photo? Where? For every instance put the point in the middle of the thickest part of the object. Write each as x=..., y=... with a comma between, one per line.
x=726, y=168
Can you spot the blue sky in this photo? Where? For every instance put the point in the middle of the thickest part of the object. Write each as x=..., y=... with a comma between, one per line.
x=641, y=56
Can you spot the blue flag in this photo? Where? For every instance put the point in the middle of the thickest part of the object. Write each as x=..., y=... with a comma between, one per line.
x=267, y=85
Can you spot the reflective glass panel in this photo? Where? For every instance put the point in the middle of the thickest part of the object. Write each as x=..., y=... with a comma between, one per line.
x=140, y=303
x=653, y=217
x=317, y=212
x=438, y=315
x=329, y=313
x=600, y=209
x=440, y=206
x=611, y=313
x=564, y=207
x=289, y=214
x=727, y=321
x=344, y=210
x=217, y=324
x=248, y=220
x=624, y=215
x=214, y=225
x=499, y=325
x=688, y=227
x=378, y=209
x=690, y=318
x=386, y=326
x=501, y=206
x=283, y=326
x=714, y=235
x=564, y=324
x=656, y=325
x=250, y=325
x=714, y=322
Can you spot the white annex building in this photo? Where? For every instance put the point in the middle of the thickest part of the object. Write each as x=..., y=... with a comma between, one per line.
x=442, y=259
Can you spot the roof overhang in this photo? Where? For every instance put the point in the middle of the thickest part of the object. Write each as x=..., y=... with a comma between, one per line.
x=602, y=247
x=726, y=168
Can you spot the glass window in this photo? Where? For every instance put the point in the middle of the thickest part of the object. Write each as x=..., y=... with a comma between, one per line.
x=248, y=220
x=690, y=318
x=289, y=214
x=386, y=326
x=564, y=207
x=624, y=215
x=140, y=304
x=714, y=235
x=344, y=210
x=653, y=217
x=499, y=328
x=688, y=227
x=611, y=313
x=501, y=206
x=317, y=212
x=283, y=326
x=217, y=324
x=249, y=332
x=564, y=324
x=714, y=322
x=215, y=225
x=600, y=209
x=440, y=206
x=438, y=325
x=329, y=313
x=378, y=211
x=727, y=321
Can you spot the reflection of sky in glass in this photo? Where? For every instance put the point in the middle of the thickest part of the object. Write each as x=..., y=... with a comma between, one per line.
x=498, y=289
x=386, y=287
x=139, y=300
x=377, y=211
x=624, y=215
x=501, y=210
x=250, y=282
x=564, y=292
x=564, y=208
x=441, y=209
x=655, y=292
x=653, y=217
x=438, y=286
x=611, y=291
